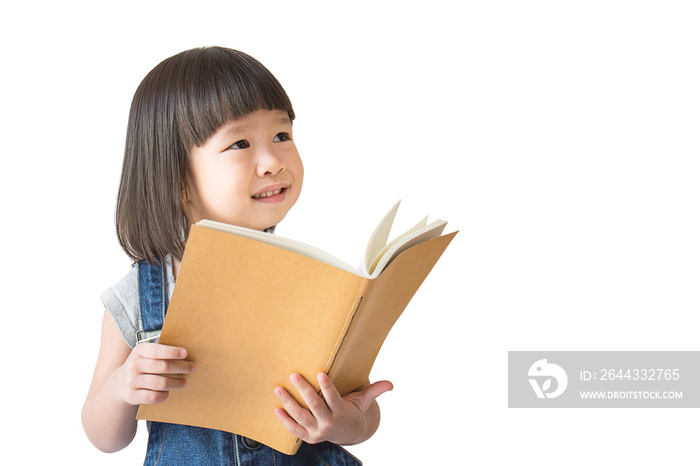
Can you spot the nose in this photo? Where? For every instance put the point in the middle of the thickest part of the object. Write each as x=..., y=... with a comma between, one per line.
x=269, y=163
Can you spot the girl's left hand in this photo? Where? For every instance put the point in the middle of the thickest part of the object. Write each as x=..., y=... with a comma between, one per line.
x=336, y=419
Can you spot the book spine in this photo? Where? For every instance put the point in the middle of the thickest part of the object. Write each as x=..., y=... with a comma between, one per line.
x=348, y=325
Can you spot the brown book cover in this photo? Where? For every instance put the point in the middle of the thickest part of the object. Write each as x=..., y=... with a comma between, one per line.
x=251, y=313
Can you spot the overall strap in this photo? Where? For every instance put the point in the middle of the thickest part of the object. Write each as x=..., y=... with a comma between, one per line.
x=152, y=300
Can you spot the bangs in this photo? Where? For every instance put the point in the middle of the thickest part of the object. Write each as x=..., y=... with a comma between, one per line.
x=217, y=85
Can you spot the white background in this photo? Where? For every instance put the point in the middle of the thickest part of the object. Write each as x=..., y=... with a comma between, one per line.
x=560, y=138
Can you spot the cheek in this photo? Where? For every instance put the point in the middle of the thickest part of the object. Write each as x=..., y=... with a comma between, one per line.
x=223, y=181
x=298, y=178
x=296, y=167
x=300, y=174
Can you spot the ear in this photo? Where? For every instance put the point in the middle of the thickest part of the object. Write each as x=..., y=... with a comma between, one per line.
x=184, y=196
x=185, y=188
x=185, y=201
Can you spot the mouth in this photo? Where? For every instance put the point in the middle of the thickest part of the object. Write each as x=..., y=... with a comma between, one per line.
x=272, y=194
x=265, y=194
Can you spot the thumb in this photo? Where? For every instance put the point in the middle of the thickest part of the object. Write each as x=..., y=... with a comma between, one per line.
x=372, y=392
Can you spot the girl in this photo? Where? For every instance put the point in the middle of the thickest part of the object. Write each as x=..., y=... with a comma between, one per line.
x=209, y=136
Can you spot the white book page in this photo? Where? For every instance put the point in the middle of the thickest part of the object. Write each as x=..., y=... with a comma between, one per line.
x=379, y=238
x=426, y=233
x=399, y=239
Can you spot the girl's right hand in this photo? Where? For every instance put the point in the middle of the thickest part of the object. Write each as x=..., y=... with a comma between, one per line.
x=151, y=371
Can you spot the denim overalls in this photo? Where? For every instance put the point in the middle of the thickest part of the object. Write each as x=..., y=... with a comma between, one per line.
x=174, y=444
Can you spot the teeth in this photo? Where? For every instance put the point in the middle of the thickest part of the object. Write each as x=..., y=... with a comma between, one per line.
x=267, y=194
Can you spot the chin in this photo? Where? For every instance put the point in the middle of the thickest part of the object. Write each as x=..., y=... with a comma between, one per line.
x=265, y=222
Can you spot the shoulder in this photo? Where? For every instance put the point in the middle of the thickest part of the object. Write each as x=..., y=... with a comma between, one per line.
x=121, y=300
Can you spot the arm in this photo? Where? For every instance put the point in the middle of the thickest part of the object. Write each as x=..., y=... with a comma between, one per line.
x=125, y=378
x=344, y=420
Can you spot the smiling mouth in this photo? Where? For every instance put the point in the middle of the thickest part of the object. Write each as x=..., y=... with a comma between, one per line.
x=269, y=193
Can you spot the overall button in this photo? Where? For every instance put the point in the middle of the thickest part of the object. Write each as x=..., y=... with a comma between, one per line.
x=251, y=444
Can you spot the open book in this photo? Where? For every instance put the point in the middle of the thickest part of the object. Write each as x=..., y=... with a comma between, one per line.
x=251, y=308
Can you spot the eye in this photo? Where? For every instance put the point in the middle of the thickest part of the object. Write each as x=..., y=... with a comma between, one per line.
x=281, y=137
x=242, y=144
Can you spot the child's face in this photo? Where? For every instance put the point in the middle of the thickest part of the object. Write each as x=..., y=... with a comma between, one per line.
x=248, y=173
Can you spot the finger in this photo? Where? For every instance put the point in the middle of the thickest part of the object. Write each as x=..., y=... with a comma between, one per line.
x=300, y=415
x=149, y=397
x=158, y=351
x=291, y=425
x=366, y=397
x=330, y=393
x=165, y=366
x=159, y=383
x=316, y=405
